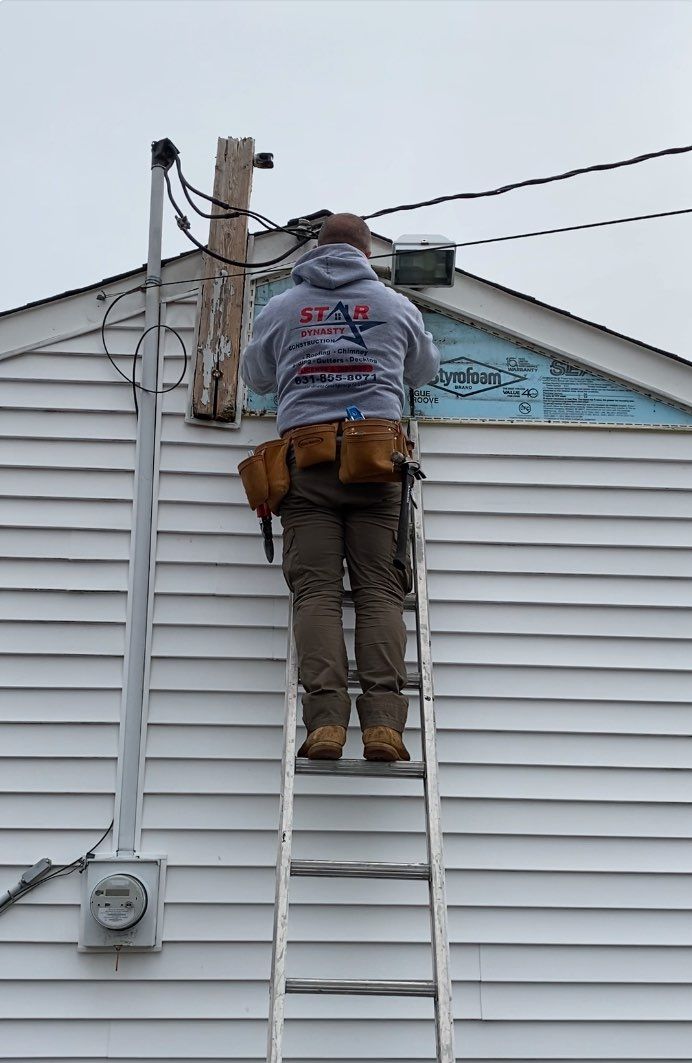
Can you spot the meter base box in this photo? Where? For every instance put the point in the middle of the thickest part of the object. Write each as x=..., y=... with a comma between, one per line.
x=147, y=932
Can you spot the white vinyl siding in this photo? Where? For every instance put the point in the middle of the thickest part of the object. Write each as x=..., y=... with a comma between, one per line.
x=560, y=587
x=558, y=574
x=66, y=477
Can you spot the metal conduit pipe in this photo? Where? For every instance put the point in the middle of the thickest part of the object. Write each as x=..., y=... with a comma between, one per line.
x=127, y=792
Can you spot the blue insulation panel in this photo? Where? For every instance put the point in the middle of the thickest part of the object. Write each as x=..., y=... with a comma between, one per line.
x=484, y=377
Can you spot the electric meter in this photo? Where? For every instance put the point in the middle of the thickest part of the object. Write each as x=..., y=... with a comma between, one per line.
x=423, y=261
x=118, y=902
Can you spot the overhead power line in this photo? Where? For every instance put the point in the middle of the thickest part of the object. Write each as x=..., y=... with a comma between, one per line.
x=305, y=233
x=575, y=228
x=264, y=269
x=463, y=243
x=598, y=168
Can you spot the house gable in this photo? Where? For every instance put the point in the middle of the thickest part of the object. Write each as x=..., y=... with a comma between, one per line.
x=486, y=375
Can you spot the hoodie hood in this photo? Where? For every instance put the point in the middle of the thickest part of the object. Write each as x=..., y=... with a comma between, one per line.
x=333, y=266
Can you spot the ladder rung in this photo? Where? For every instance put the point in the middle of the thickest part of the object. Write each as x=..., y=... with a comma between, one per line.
x=364, y=987
x=412, y=679
x=359, y=869
x=400, y=769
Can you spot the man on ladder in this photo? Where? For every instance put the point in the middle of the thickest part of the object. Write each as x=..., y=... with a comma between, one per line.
x=339, y=349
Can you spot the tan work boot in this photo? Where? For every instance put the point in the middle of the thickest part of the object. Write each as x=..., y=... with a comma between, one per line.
x=384, y=743
x=324, y=743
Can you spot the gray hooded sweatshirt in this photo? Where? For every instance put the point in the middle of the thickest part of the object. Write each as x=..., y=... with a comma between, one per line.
x=339, y=338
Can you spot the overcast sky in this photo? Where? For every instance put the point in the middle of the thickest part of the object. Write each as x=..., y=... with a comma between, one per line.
x=365, y=104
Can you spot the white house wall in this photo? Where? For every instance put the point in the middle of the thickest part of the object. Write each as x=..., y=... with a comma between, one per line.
x=559, y=575
x=66, y=476
x=559, y=581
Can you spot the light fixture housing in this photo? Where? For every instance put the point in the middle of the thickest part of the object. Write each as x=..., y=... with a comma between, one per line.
x=423, y=261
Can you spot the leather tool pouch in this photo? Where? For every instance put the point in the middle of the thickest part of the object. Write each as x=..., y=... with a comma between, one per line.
x=314, y=444
x=366, y=451
x=265, y=474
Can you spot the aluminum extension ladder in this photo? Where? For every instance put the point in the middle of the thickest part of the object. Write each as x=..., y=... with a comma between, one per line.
x=439, y=987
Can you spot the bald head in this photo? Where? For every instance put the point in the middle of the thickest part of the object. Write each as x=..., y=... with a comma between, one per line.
x=346, y=229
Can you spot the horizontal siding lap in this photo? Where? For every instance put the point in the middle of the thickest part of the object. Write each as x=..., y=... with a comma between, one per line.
x=603, y=471
x=107, y=427
x=488, y=648
x=491, y=782
x=190, y=612
x=70, y=366
x=58, y=670
x=71, y=483
x=62, y=637
x=201, y=923
x=48, y=574
x=519, y=714
x=28, y=452
x=236, y=961
x=232, y=847
x=68, y=397
x=76, y=545
x=205, y=1000
x=551, y=500
x=68, y=775
x=511, y=815
x=55, y=740
x=127, y=1001
x=465, y=888
x=464, y=749
x=568, y=588
x=60, y=812
x=67, y=513
x=442, y=443
x=67, y=705
x=406, y=1042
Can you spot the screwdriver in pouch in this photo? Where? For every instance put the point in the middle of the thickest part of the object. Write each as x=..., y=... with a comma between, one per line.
x=264, y=515
x=265, y=518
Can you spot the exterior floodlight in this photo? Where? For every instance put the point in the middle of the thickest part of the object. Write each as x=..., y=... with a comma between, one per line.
x=423, y=261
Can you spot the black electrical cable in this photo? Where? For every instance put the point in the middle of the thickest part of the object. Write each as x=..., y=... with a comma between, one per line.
x=131, y=379
x=234, y=262
x=171, y=387
x=184, y=225
x=233, y=212
x=575, y=228
x=531, y=181
x=433, y=247
x=66, y=869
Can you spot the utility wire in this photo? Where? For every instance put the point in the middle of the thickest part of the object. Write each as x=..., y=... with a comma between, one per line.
x=184, y=226
x=66, y=869
x=433, y=247
x=131, y=379
x=531, y=181
x=232, y=212
x=266, y=268
x=546, y=232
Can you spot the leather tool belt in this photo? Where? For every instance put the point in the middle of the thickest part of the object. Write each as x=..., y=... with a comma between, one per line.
x=365, y=456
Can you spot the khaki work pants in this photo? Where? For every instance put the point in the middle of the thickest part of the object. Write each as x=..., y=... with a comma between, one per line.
x=326, y=522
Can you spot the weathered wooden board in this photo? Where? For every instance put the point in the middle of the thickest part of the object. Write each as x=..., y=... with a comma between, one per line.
x=221, y=306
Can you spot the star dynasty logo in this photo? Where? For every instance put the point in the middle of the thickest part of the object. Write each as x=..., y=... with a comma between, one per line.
x=337, y=324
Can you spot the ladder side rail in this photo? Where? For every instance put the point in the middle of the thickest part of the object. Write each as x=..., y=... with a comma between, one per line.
x=438, y=906
x=277, y=989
